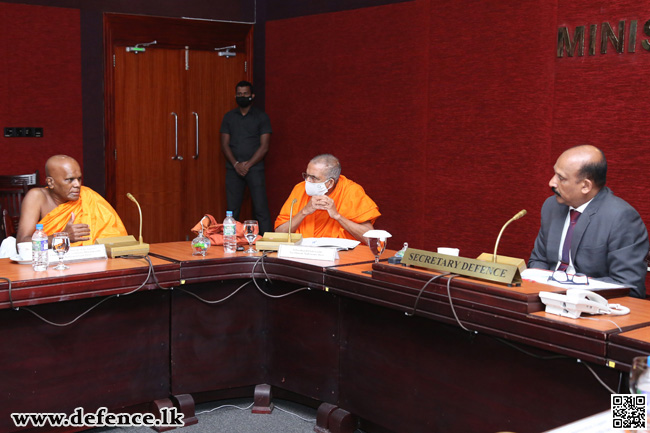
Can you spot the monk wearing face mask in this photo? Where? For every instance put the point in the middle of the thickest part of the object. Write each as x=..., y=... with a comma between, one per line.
x=328, y=204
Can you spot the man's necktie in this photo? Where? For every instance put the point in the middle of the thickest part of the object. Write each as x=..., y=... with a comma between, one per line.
x=566, y=248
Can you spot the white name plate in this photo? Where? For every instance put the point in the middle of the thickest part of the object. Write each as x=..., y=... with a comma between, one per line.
x=80, y=254
x=311, y=253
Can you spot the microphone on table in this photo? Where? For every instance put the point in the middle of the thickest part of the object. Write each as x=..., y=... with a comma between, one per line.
x=130, y=197
x=118, y=246
x=519, y=263
x=518, y=215
x=271, y=241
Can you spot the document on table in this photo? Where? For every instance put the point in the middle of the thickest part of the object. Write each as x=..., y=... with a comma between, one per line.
x=80, y=254
x=541, y=276
x=339, y=244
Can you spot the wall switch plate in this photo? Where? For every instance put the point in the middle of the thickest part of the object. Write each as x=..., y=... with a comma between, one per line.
x=29, y=131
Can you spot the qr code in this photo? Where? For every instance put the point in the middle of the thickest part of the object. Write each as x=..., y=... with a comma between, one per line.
x=629, y=411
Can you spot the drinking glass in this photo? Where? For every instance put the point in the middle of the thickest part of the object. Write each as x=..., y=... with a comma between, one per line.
x=251, y=229
x=61, y=245
x=377, y=246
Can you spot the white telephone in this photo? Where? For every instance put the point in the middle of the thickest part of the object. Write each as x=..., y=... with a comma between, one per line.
x=578, y=301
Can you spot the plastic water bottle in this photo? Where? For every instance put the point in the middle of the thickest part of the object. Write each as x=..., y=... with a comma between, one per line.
x=39, y=249
x=229, y=233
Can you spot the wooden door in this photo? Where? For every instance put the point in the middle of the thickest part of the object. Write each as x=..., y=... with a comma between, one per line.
x=142, y=91
x=211, y=81
x=149, y=95
x=166, y=99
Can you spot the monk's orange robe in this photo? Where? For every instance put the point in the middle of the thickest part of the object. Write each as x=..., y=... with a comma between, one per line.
x=351, y=201
x=91, y=209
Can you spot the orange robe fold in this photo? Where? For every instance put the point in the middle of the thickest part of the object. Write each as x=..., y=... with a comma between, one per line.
x=351, y=201
x=91, y=209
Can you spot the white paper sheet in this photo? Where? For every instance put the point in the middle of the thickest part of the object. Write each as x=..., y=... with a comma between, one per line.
x=339, y=244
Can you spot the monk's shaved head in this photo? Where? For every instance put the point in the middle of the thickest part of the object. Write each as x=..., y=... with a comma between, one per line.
x=63, y=178
x=57, y=161
x=330, y=163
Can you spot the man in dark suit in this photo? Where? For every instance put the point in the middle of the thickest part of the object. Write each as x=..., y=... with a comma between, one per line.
x=608, y=240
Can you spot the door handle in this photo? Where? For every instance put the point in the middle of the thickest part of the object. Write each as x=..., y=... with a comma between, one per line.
x=196, y=116
x=177, y=156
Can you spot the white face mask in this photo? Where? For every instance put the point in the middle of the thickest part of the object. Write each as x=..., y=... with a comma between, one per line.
x=313, y=189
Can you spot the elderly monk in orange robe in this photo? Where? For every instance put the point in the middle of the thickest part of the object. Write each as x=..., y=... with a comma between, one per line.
x=66, y=206
x=328, y=204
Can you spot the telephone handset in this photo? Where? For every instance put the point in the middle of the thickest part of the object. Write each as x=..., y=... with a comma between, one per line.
x=577, y=301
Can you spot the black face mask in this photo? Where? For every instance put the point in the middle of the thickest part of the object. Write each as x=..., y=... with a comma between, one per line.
x=244, y=101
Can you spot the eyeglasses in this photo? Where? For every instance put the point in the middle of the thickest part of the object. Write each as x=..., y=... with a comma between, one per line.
x=310, y=178
x=563, y=278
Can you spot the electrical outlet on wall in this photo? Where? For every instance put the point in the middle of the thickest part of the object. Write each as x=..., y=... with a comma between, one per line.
x=23, y=132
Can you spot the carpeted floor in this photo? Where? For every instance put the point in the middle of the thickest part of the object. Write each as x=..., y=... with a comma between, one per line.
x=234, y=416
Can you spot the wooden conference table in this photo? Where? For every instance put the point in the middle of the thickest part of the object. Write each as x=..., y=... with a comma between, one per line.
x=315, y=331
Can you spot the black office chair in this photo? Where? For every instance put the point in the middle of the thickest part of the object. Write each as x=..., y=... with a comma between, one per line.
x=3, y=222
x=12, y=192
x=13, y=181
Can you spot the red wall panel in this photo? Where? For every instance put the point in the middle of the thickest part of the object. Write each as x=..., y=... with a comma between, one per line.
x=451, y=115
x=40, y=85
x=353, y=84
x=443, y=114
x=605, y=100
x=490, y=112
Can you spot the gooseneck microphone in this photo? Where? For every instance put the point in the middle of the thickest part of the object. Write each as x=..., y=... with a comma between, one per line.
x=119, y=246
x=518, y=215
x=130, y=197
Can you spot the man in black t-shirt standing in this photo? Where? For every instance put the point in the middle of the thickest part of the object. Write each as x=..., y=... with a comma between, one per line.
x=245, y=136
